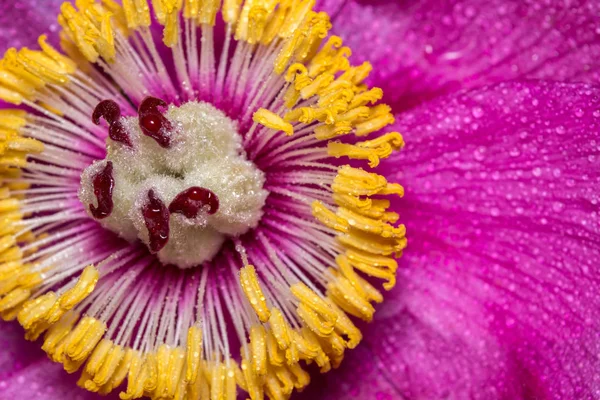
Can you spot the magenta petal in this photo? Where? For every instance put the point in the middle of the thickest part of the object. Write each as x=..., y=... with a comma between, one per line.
x=22, y=22
x=499, y=289
x=26, y=372
x=422, y=49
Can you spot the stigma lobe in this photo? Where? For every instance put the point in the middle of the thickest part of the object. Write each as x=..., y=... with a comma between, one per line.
x=156, y=217
x=152, y=123
x=191, y=201
x=104, y=184
x=111, y=112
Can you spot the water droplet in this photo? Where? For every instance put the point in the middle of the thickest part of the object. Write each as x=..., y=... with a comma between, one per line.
x=560, y=130
x=537, y=172
x=477, y=112
x=579, y=113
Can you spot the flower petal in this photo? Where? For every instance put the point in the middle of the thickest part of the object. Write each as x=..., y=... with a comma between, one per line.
x=22, y=22
x=422, y=49
x=25, y=371
x=499, y=295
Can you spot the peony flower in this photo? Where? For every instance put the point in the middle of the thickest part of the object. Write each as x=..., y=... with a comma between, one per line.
x=496, y=295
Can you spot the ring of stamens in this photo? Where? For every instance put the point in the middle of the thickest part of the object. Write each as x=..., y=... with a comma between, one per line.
x=289, y=292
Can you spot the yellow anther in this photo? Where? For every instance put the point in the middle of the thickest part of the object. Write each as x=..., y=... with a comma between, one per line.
x=285, y=378
x=34, y=310
x=151, y=372
x=176, y=367
x=208, y=11
x=374, y=124
x=372, y=226
x=328, y=217
x=320, y=358
x=374, y=265
x=26, y=145
x=357, y=75
x=314, y=322
x=393, y=140
x=109, y=366
x=253, y=383
x=308, y=115
x=217, y=387
x=137, y=13
x=82, y=289
x=393, y=188
x=302, y=378
x=58, y=332
x=280, y=328
x=84, y=338
x=357, y=182
x=258, y=345
x=273, y=121
x=191, y=9
x=296, y=17
x=275, y=23
x=170, y=8
x=370, y=244
x=344, y=326
x=42, y=66
x=317, y=27
x=163, y=358
x=313, y=301
x=10, y=95
x=306, y=349
x=231, y=11
x=135, y=378
x=193, y=354
x=326, y=132
x=13, y=254
x=349, y=299
x=98, y=356
x=287, y=52
x=14, y=299
x=253, y=292
x=369, y=97
x=120, y=373
x=331, y=58
x=118, y=15
x=12, y=120
x=276, y=355
x=338, y=149
x=320, y=82
x=353, y=202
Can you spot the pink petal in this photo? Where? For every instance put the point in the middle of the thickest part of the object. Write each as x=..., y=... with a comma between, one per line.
x=26, y=373
x=422, y=49
x=498, y=297
x=22, y=22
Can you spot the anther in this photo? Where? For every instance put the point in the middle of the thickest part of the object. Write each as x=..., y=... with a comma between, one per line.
x=152, y=123
x=192, y=201
x=104, y=184
x=111, y=112
x=156, y=217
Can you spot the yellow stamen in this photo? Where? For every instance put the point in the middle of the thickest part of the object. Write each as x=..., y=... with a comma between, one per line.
x=253, y=292
x=194, y=353
x=273, y=121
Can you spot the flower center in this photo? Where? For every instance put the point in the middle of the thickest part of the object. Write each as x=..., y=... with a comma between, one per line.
x=177, y=180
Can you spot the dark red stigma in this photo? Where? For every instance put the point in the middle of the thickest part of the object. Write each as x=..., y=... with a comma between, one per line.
x=156, y=217
x=191, y=201
x=104, y=184
x=152, y=123
x=111, y=112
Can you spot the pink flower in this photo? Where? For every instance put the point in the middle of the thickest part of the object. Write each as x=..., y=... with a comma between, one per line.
x=497, y=294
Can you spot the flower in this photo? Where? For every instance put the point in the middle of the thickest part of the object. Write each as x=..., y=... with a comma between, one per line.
x=497, y=295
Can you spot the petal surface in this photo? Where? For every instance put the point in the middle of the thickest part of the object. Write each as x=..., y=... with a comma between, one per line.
x=22, y=22
x=499, y=292
x=423, y=49
x=26, y=372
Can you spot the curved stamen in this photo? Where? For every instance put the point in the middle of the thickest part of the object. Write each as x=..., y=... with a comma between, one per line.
x=111, y=112
x=104, y=184
x=152, y=123
x=193, y=200
x=156, y=217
